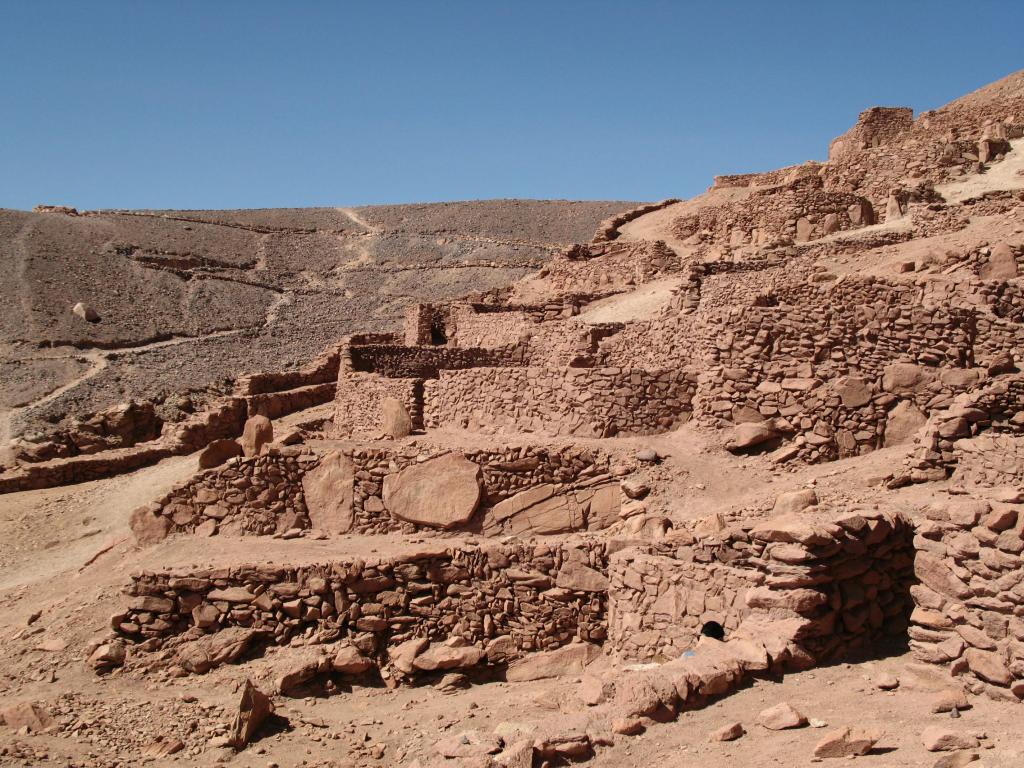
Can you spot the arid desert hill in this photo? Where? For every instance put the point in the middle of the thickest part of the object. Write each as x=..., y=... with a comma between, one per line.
x=187, y=299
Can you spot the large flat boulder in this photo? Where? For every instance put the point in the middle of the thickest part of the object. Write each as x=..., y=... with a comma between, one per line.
x=442, y=492
x=570, y=659
x=328, y=492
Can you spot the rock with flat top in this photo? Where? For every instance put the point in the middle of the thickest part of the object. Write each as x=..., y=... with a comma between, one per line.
x=945, y=701
x=300, y=668
x=581, y=578
x=441, y=656
x=108, y=656
x=935, y=738
x=28, y=715
x=218, y=452
x=349, y=660
x=887, y=682
x=795, y=501
x=210, y=651
x=750, y=435
x=846, y=743
x=781, y=717
x=570, y=659
x=468, y=744
x=955, y=759
x=729, y=732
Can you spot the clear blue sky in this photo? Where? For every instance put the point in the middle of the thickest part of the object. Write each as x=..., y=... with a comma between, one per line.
x=218, y=104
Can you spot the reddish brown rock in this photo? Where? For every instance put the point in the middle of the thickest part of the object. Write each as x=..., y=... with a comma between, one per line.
x=846, y=743
x=570, y=659
x=218, y=452
x=26, y=715
x=937, y=738
x=445, y=656
x=254, y=707
x=257, y=432
x=148, y=526
x=328, y=493
x=394, y=419
x=781, y=717
x=729, y=732
x=348, y=660
x=442, y=492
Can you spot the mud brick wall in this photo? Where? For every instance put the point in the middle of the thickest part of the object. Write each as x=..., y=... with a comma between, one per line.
x=528, y=593
x=561, y=401
x=842, y=577
x=970, y=599
x=264, y=495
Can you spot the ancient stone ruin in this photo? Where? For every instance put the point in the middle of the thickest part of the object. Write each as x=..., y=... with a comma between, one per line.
x=505, y=487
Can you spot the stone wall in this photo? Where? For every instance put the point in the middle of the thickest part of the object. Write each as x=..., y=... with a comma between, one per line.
x=989, y=461
x=970, y=599
x=875, y=127
x=799, y=211
x=609, y=228
x=843, y=577
x=322, y=370
x=523, y=596
x=274, y=405
x=358, y=398
x=397, y=361
x=551, y=490
x=997, y=406
x=487, y=330
x=597, y=402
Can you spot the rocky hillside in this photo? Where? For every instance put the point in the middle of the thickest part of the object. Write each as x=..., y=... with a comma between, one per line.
x=178, y=301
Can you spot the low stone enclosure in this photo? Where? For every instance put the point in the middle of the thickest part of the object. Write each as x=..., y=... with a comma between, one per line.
x=504, y=382
x=352, y=489
x=792, y=592
x=827, y=584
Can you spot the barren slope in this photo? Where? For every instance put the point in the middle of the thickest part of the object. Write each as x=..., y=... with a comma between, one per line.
x=187, y=299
